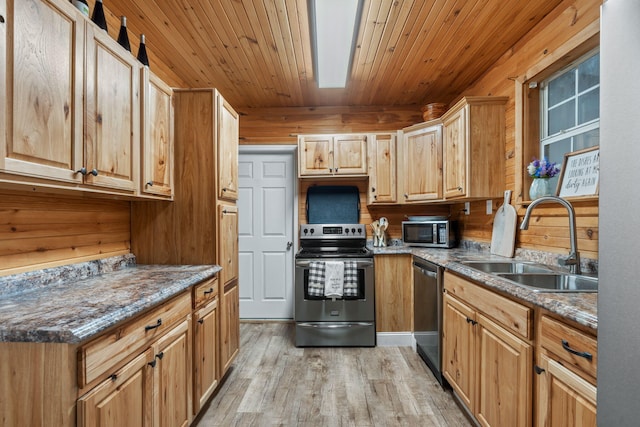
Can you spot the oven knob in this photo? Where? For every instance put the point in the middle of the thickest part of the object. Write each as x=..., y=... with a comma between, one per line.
x=306, y=230
x=312, y=230
x=353, y=230
x=346, y=230
x=359, y=230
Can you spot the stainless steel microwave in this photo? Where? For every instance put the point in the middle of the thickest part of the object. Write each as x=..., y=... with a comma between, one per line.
x=430, y=233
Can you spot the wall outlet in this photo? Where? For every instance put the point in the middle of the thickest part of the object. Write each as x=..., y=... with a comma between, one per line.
x=467, y=208
x=489, y=207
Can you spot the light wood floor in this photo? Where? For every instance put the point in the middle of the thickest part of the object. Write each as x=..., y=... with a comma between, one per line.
x=273, y=383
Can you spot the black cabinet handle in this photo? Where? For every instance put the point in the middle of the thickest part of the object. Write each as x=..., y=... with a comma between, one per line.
x=113, y=377
x=160, y=355
x=538, y=369
x=373, y=189
x=94, y=172
x=201, y=321
x=1, y=19
x=209, y=291
x=152, y=363
x=149, y=184
x=585, y=354
x=157, y=325
x=470, y=320
x=82, y=171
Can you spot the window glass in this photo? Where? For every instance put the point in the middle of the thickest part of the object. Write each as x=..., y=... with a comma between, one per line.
x=562, y=117
x=570, y=103
x=589, y=106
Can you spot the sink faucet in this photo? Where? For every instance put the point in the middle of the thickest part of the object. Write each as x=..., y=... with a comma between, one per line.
x=573, y=260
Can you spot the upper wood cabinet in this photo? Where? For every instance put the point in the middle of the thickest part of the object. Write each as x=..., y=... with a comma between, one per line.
x=227, y=141
x=41, y=105
x=327, y=155
x=421, y=172
x=112, y=112
x=473, y=148
x=71, y=114
x=157, y=136
x=382, y=153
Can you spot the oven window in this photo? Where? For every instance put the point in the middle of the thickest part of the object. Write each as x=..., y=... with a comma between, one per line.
x=361, y=292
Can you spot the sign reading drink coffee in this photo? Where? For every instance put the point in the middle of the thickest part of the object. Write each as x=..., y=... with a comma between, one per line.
x=580, y=173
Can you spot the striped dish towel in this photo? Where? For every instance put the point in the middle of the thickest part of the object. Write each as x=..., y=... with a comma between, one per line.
x=350, y=288
x=316, y=279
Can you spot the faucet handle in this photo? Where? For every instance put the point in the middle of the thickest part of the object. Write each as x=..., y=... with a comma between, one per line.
x=573, y=261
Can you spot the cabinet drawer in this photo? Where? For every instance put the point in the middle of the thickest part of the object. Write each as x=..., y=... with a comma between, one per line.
x=111, y=349
x=205, y=292
x=570, y=345
x=512, y=315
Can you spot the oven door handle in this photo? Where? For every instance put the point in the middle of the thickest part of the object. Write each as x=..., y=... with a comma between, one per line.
x=359, y=263
x=333, y=325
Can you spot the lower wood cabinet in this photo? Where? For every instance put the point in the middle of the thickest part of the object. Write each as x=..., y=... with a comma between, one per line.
x=154, y=389
x=566, y=365
x=394, y=293
x=487, y=362
x=124, y=399
x=229, y=325
x=205, y=353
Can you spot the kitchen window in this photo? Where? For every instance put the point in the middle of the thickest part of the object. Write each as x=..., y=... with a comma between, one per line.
x=557, y=103
x=570, y=109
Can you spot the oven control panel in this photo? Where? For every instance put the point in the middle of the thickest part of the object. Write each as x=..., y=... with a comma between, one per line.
x=332, y=231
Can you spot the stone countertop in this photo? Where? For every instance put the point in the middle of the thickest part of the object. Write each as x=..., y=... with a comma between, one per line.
x=581, y=307
x=77, y=309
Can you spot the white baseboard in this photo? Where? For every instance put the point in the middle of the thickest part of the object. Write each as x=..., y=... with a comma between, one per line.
x=391, y=339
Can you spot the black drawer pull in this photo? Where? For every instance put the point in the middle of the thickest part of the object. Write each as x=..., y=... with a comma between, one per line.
x=113, y=377
x=157, y=325
x=538, y=369
x=210, y=291
x=201, y=321
x=585, y=354
x=160, y=355
x=470, y=320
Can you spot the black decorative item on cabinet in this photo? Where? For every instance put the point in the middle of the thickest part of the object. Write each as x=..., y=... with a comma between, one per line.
x=98, y=15
x=142, y=52
x=123, y=37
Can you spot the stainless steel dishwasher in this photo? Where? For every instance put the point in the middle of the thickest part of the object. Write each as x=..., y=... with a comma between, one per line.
x=427, y=314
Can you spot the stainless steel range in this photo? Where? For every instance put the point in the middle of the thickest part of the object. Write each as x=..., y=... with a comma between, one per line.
x=347, y=320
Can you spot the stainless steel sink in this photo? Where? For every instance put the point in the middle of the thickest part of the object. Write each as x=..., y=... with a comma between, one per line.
x=554, y=282
x=498, y=267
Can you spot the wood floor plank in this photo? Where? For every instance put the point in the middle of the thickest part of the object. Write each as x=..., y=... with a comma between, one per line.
x=273, y=383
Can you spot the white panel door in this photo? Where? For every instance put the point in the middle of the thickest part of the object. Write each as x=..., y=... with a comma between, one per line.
x=266, y=214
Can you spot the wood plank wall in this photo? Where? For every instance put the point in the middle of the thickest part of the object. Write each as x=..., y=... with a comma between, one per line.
x=38, y=231
x=548, y=229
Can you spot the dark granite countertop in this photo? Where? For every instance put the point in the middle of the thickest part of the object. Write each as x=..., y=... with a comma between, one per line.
x=581, y=307
x=73, y=304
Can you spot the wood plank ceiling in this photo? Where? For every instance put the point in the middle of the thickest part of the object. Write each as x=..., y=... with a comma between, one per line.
x=258, y=52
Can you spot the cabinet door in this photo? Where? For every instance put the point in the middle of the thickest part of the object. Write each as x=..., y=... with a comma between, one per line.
x=230, y=325
x=455, y=155
x=504, y=377
x=124, y=399
x=205, y=367
x=458, y=348
x=350, y=154
x=422, y=160
x=315, y=152
x=394, y=293
x=112, y=113
x=172, y=377
x=228, y=242
x=228, y=133
x=382, y=169
x=157, y=136
x=41, y=103
x=563, y=398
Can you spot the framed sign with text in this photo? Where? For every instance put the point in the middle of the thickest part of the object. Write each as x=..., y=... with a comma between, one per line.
x=580, y=173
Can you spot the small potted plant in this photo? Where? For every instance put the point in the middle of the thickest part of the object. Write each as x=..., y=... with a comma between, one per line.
x=541, y=171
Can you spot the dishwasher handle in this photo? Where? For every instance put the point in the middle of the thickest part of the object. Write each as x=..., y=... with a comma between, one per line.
x=428, y=273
